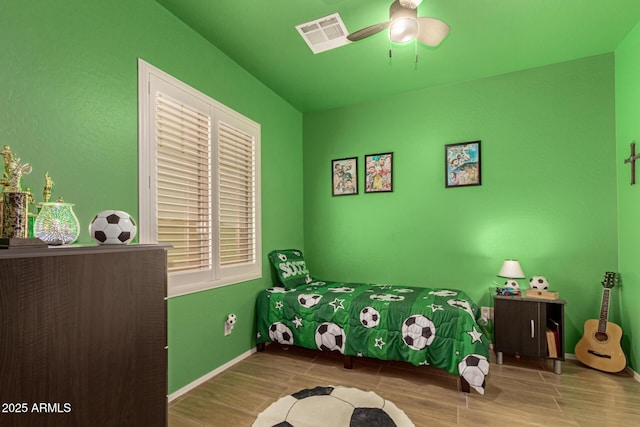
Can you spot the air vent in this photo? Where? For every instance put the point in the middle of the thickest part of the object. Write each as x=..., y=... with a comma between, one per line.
x=324, y=33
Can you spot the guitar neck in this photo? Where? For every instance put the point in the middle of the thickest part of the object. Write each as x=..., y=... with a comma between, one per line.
x=604, y=310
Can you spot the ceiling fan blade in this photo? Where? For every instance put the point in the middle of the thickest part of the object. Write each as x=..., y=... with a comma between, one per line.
x=432, y=31
x=367, y=31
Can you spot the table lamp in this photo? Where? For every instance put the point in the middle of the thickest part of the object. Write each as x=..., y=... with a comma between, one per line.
x=511, y=270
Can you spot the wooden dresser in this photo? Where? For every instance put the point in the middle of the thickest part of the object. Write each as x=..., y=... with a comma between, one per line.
x=83, y=336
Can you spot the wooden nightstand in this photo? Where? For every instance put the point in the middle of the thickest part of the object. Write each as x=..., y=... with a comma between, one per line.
x=521, y=325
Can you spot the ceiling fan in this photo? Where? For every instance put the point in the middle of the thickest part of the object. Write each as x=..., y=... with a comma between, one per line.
x=404, y=25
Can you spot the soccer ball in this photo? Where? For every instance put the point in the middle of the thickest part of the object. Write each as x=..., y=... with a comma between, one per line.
x=474, y=368
x=309, y=300
x=539, y=282
x=112, y=228
x=512, y=284
x=443, y=293
x=330, y=337
x=386, y=297
x=341, y=290
x=418, y=331
x=347, y=407
x=369, y=317
x=231, y=319
x=279, y=290
x=279, y=332
x=462, y=305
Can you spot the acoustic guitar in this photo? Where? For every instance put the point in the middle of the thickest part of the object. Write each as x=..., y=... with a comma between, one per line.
x=599, y=346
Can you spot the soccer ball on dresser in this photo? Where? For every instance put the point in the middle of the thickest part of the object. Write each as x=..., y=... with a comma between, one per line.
x=112, y=228
x=539, y=282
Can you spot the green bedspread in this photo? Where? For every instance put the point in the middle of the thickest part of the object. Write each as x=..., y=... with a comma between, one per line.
x=423, y=326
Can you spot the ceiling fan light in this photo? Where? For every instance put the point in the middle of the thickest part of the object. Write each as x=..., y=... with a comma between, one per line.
x=412, y=4
x=403, y=30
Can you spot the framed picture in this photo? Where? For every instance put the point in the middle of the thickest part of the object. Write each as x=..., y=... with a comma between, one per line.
x=462, y=164
x=378, y=173
x=344, y=176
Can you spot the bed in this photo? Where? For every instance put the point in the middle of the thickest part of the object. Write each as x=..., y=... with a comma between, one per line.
x=422, y=326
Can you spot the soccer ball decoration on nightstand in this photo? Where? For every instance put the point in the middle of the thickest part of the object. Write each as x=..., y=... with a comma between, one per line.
x=539, y=282
x=112, y=228
x=540, y=289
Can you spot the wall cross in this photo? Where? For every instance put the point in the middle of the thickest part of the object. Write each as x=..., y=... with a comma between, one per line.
x=632, y=160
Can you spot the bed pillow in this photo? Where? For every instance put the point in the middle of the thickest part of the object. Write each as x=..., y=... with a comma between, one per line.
x=290, y=267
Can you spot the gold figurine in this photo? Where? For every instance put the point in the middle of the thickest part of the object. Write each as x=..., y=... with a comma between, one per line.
x=13, y=171
x=48, y=185
x=8, y=155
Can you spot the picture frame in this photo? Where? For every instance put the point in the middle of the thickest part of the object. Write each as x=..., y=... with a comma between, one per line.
x=462, y=164
x=344, y=176
x=378, y=173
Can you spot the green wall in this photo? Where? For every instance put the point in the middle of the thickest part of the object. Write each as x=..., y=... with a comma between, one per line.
x=547, y=196
x=628, y=130
x=68, y=105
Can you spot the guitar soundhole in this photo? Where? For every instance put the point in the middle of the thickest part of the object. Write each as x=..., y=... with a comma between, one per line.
x=601, y=336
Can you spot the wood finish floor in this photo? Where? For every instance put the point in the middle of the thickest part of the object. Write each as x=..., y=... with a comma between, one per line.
x=520, y=392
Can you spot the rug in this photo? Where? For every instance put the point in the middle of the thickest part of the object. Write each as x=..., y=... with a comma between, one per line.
x=333, y=406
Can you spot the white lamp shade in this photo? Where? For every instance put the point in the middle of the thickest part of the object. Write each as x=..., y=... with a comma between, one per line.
x=511, y=269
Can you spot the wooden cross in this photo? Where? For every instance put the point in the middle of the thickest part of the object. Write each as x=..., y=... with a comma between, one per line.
x=632, y=159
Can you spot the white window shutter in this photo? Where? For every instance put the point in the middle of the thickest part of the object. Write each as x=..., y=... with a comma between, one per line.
x=199, y=184
x=183, y=184
x=238, y=195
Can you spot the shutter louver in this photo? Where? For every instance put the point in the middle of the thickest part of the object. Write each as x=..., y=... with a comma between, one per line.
x=237, y=195
x=184, y=184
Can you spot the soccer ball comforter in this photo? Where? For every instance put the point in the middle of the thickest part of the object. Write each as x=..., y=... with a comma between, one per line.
x=423, y=326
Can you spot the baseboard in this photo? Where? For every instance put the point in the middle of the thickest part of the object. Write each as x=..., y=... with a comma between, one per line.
x=633, y=373
x=210, y=375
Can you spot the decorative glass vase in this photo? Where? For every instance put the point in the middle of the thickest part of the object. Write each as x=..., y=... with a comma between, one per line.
x=56, y=224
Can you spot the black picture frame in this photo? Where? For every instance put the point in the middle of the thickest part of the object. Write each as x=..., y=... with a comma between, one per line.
x=378, y=173
x=344, y=176
x=462, y=164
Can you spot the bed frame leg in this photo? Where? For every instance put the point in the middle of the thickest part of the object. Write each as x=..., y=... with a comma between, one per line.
x=260, y=347
x=348, y=362
x=464, y=385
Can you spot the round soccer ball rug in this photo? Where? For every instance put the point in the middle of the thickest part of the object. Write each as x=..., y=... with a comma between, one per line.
x=333, y=406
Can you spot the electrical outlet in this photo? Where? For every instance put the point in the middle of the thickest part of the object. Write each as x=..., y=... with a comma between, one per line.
x=486, y=313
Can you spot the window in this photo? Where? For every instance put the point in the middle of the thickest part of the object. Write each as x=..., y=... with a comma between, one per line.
x=199, y=184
